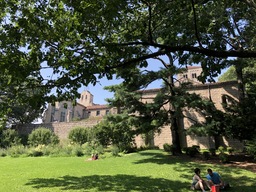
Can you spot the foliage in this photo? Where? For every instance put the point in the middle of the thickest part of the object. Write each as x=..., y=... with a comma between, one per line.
x=224, y=158
x=17, y=150
x=101, y=39
x=167, y=147
x=42, y=136
x=212, y=151
x=79, y=135
x=250, y=147
x=116, y=130
x=206, y=155
x=115, y=151
x=240, y=119
x=80, y=41
x=230, y=150
x=229, y=75
x=221, y=149
x=9, y=137
x=191, y=151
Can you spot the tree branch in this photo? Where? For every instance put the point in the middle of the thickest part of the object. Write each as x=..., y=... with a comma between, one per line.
x=195, y=23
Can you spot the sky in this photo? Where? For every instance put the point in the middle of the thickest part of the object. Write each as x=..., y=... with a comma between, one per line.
x=100, y=94
x=98, y=90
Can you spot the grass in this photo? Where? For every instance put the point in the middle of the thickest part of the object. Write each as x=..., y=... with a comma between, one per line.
x=151, y=170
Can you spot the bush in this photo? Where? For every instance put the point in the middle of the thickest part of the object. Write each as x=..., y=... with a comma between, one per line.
x=212, y=151
x=115, y=151
x=230, y=150
x=224, y=158
x=79, y=135
x=77, y=150
x=206, y=155
x=42, y=136
x=37, y=151
x=17, y=150
x=221, y=149
x=250, y=147
x=10, y=138
x=115, y=130
x=169, y=148
x=3, y=152
x=191, y=151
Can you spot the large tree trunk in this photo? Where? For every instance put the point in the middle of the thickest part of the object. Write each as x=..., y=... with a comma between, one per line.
x=175, y=135
x=173, y=111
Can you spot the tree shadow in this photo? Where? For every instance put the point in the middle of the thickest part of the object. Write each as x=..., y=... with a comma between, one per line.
x=157, y=157
x=186, y=166
x=239, y=182
x=109, y=183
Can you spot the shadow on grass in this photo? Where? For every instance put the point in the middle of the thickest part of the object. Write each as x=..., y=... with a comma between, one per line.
x=186, y=166
x=157, y=157
x=109, y=183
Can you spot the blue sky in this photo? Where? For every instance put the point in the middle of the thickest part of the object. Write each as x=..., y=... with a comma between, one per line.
x=100, y=94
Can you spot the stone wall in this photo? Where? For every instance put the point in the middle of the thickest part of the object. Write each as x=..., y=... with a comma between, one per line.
x=61, y=129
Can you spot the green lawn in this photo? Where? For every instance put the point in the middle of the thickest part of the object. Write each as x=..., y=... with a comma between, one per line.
x=150, y=170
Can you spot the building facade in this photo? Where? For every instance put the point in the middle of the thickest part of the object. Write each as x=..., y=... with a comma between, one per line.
x=217, y=92
x=66, y=111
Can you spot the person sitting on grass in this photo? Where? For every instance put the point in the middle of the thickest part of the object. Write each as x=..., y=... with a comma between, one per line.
x=198, y=182
x=214, y=178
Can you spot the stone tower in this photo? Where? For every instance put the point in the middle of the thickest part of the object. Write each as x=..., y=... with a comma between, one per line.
x=86, y=98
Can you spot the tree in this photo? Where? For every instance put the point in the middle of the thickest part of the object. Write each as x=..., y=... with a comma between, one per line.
x=80, y=41
x=150, y=114
x=229, y=75
x=20, y=104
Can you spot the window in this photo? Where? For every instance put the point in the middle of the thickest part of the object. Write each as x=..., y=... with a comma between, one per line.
x=193, y=75
x=185, y=76
x=97, y=113
x=107, y=111
x=62, y=117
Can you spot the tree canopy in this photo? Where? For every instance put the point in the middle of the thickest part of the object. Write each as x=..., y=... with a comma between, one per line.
x=65, y=44
x=80, y=41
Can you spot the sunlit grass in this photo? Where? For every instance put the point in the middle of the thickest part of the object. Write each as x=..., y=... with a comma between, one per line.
x=150, y=170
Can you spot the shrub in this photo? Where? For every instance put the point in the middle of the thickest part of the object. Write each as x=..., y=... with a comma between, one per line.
x=77, y=150
x=37, y=151
x=9, y=138
x=206, y=155
x=78, y=135
x=115, y=130
x=115, y=151
x=212, y=151
x=250, y=147
x=221, y=149
x=230, y=150
x=169, y=148
x=224, y=158
x=3, y=152
x=42, y=136
x=17, y=150
x=192, y=151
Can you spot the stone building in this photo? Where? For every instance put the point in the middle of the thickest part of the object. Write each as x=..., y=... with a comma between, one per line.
x=66, y=111
x=217, y=92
